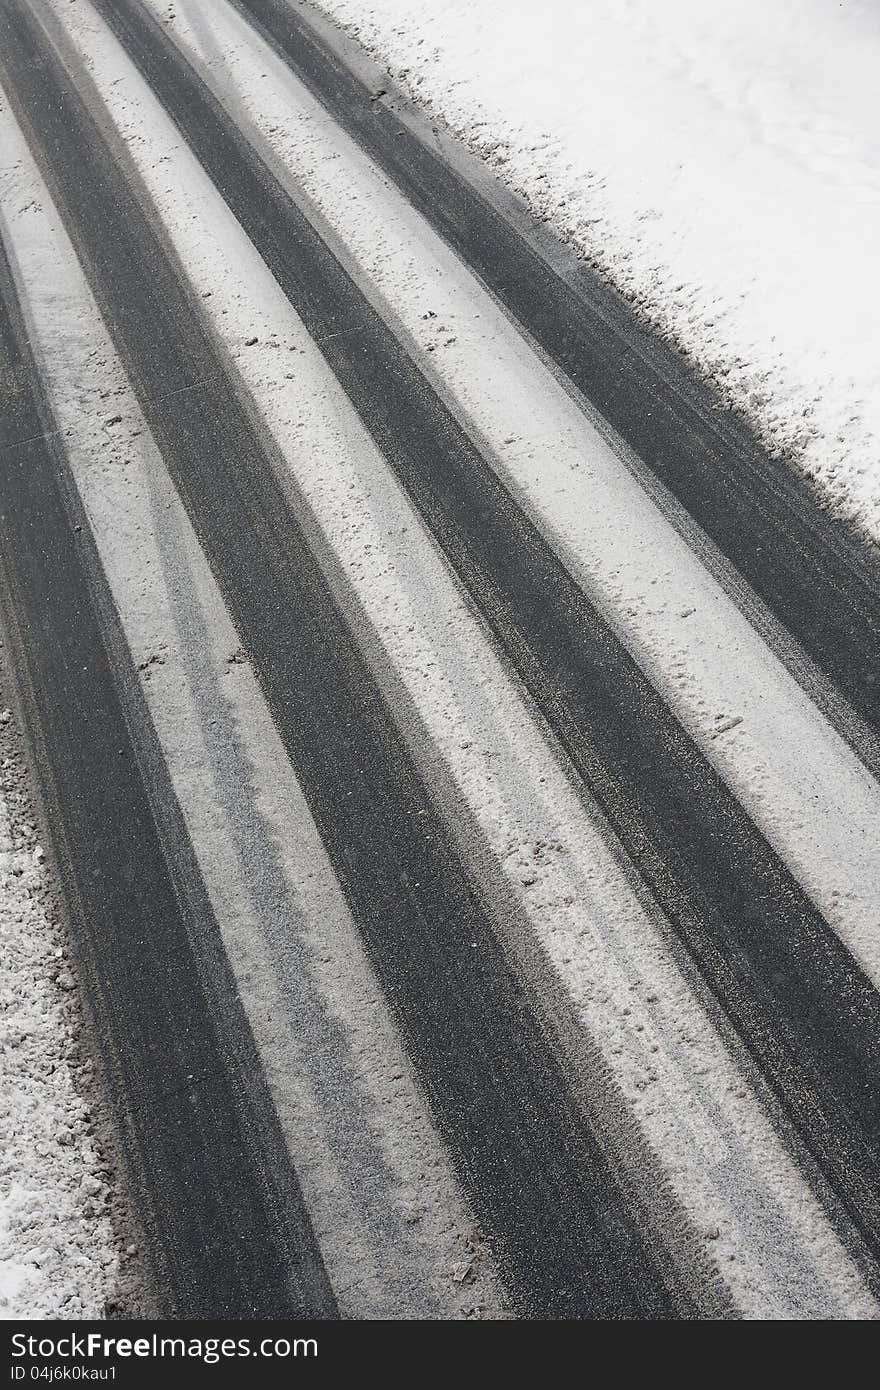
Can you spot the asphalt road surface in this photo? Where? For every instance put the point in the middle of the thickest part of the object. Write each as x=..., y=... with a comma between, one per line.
x=457, y=738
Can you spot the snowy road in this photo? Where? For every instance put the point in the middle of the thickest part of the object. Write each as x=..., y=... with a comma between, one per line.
x=458, y=739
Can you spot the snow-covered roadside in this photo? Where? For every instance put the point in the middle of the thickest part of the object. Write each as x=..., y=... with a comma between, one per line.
x=721, y=165
x=59, y=1252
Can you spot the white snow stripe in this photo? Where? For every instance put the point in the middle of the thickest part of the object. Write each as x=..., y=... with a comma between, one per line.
x=804, y=788
x=387, y=1211
x=773, y=1244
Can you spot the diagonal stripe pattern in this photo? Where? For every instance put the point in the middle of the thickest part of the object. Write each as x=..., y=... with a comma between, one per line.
x=578, y=1206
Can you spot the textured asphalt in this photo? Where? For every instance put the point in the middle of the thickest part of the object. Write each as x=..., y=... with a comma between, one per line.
x=216, y=1185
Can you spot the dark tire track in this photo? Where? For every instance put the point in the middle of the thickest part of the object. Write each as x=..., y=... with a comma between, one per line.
x=225, y=1215
x=799, y=1004
x=567, y=1234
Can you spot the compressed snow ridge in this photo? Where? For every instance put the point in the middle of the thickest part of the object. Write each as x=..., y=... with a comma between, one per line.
x=58, y=1255
x=719, y=165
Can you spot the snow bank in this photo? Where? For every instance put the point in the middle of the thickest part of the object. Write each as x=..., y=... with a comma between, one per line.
x=58, y=1256
x=720, y=164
